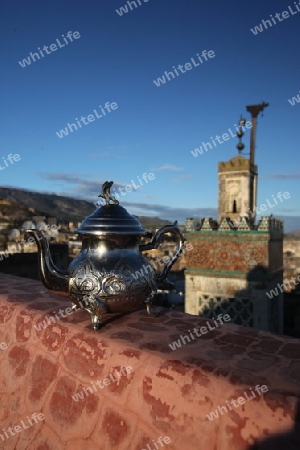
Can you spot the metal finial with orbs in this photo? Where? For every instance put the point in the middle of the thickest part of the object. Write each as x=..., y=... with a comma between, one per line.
x=240, y=133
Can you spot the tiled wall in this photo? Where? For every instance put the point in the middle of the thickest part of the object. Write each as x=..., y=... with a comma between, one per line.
x=227, y=252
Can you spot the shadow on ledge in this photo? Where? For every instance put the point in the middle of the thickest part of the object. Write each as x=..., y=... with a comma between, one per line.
x=282, y=441
x=249, y=306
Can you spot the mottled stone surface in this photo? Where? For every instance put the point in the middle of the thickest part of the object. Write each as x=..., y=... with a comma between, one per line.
x=43, y=365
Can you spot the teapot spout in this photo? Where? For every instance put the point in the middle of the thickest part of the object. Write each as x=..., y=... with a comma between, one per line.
x=52, y=277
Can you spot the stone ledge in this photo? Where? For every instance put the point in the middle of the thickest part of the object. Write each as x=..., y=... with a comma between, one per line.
x=168, y=393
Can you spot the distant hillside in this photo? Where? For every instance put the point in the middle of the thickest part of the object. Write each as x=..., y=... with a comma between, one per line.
x=295, y=233
x=63, y=208
x=151, y=223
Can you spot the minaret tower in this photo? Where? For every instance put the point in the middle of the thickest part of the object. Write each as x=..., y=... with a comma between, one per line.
x=238, y=176
x=233, y=267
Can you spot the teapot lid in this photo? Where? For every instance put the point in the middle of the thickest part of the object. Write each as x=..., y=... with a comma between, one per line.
x=111, y=218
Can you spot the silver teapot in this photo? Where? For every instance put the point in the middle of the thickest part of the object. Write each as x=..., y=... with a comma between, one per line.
x=110, y=274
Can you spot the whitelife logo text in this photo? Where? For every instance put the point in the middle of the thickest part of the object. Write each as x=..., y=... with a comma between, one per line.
x=21, y=244
x=3, y=346
x=106, y=382
x=50, y=319
x=262, y=208
x=292, y=101
x=187, y=66
x=160, y=262
x=225, y=136
x=11, y=158
x=90, y=118
x=161, y=440
x=53, y=48
x=19, y=428
x=268, y=23
x=236, y=403
x=124, y=9
x=274, y=292
x=199, y=332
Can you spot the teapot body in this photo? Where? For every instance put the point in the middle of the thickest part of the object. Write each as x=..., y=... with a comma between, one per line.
x=111, y=272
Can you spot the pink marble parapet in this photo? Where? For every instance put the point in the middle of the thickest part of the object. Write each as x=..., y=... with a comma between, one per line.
x=67, y=387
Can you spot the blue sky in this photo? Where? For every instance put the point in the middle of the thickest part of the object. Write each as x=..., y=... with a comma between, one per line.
x=154, y=129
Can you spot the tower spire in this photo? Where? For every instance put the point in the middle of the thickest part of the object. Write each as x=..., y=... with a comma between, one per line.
x=254, y=110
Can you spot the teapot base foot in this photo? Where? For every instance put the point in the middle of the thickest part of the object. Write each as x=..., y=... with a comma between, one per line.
x=150, y=311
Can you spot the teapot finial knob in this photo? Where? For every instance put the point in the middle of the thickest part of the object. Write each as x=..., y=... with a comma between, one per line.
x=106, y=194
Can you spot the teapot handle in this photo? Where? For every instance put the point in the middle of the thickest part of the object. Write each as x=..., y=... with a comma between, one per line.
x=156, y=242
